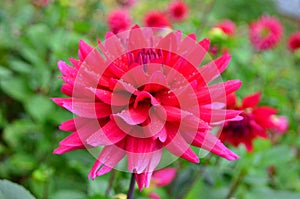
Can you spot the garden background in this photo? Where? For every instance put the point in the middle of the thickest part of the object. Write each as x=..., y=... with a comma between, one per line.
x=33, y=37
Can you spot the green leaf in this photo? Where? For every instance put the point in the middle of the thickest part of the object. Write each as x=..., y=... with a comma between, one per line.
x=20, y=66
x=10, y=190
x=15, y=87
x=269, y=193
x=4, y=72
x=39, y=107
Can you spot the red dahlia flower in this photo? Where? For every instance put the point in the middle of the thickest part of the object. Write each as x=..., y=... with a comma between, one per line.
x=156, y=19
x=138, y=95
x=227, y=26
x=265, y=33
x=178, y=10
x=256, y=121
x=118, y=20
x=294, y=41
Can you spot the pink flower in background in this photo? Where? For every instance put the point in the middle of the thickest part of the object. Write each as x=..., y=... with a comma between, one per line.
x=126, y=3
x=265, y=33
x=227, y=26
x=161, y=178
x=40, y=3
x=256, y=121
x=118, y=20
x=177, y=10
x=139, y=93
x=156, y=19
x=294, y=41
x=280, y=124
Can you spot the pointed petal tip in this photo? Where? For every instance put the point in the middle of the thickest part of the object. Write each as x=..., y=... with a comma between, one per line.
x=57, y=151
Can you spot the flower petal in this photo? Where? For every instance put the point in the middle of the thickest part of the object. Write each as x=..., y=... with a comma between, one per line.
x=251, y=101
x=177, y=145
x=107, y=159
x=109, y=134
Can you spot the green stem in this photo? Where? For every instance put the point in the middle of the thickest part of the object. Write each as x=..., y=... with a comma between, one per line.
x=111, y=181
x=131, y=187
x=236, y=184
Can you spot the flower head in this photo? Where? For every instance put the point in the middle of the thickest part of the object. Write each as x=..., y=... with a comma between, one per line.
x=265, y=33
x=227, y=26
x=256, y=121
x=156, y=19
x=139, y=94
x=294, y=41
x=178, y=10
x=118, y=20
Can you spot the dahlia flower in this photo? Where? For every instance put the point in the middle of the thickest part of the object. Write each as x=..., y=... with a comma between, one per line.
x=294, y=41
x=265, y=33
x=156, y=19
x=255, y=123
x=227, y=26
x=137, y=95
x=177, y=10
x=118, y=20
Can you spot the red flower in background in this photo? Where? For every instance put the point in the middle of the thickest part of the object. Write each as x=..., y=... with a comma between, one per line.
x=156, y=19
x=118, y=20
x=294, y=41
x=227, y=26
x=138, y=94
x=177, y=10
x=265, y=33
x=256, y=121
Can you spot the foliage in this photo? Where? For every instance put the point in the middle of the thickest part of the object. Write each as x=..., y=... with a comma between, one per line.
x=33, y=39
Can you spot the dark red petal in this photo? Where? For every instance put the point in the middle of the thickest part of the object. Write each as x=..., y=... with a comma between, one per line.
x=251, y=101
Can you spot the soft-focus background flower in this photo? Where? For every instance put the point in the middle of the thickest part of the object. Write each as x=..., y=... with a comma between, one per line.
x=34, y=35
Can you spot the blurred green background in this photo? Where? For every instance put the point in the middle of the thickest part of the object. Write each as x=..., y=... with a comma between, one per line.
x=33, y=39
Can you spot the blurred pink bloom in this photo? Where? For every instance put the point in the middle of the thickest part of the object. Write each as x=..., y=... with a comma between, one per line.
x=40, y=3
x=118, y=20
x=227, y=26
x=154, y=195
x=126, y=3
x=281, y=124
x=137, y=94
x=294, y=41
x=265, y=33
x=161, y=178
x=178, y=10
x=156, y=19
x=256, y=121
